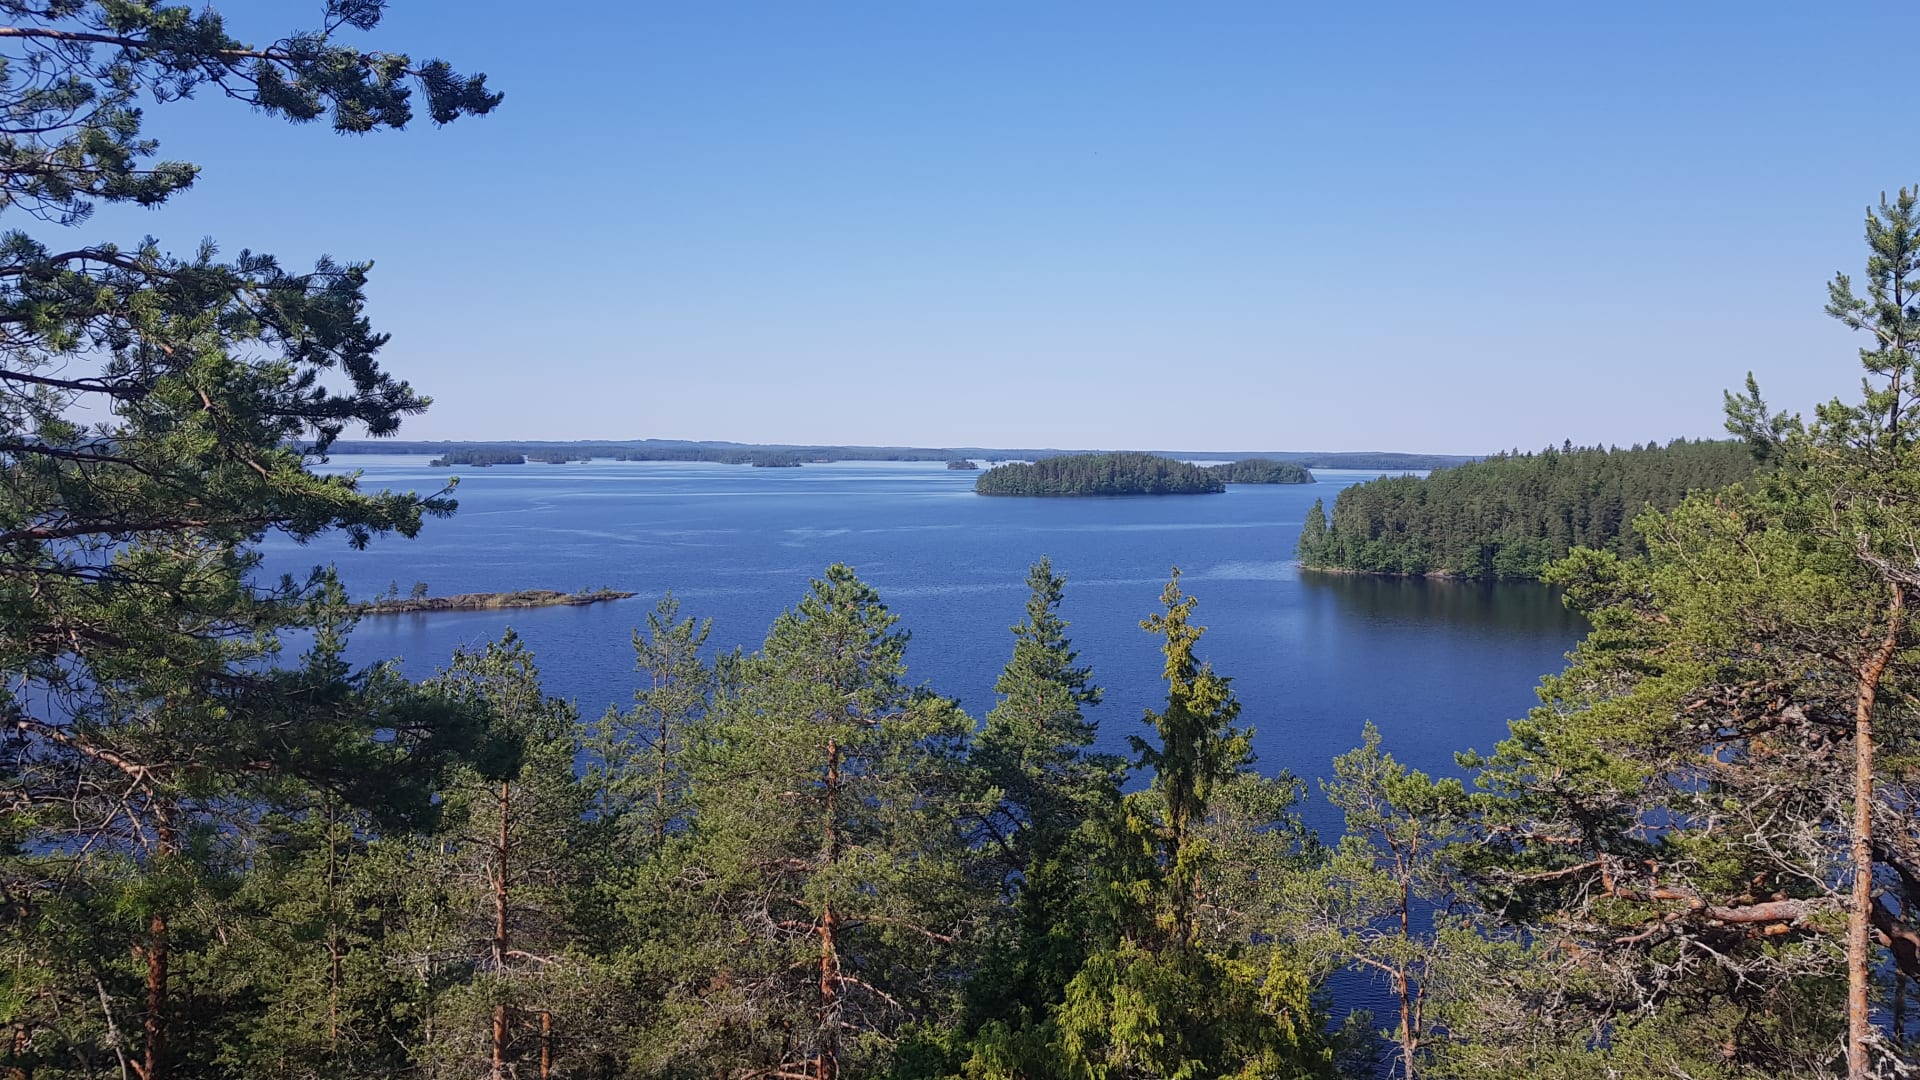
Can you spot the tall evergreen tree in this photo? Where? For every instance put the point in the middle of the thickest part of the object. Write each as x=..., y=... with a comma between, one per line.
x=502, y=874
x=1162, y=997
x=1372, y=903
x=641, y=775
x=1033, y=752
x=158, y=417
x=828, y=847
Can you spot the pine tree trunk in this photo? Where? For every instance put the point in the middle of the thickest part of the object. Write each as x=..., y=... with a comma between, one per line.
x=17, y=1049
x=333, y=930
x=499, y=1038
x=546, y=1044
x=1406, y=1025
x=1860, y=910
x=1409, y=1039
x=828, y=1062
x=153, y=1064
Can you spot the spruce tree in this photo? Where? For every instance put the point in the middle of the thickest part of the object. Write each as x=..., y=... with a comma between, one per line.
x=1164, y=994
x=1038, y=845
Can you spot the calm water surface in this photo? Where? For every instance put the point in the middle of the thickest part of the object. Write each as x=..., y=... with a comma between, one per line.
x=1439, y=667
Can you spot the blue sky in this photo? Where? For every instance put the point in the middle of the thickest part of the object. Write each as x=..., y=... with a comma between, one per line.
x=1447, y=228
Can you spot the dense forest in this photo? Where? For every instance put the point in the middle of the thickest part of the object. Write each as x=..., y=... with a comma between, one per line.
x=1509, y=516
x=226, y=852
x=1099, y=474
x=1262, y=471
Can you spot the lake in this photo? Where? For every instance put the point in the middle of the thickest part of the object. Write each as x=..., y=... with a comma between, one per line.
x=1438, y=666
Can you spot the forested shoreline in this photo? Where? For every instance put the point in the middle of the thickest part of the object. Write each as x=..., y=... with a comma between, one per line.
x=227, y=852
x=1508, y=517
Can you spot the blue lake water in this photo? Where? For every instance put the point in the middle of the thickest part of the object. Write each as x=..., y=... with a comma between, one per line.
x=1438, y=666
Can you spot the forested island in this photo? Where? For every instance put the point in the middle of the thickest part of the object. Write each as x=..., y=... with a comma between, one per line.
x=1509, y=516
x=1262, y=471
x=478, y=458
x=1099, y=474
x=963, y=465
x=774, y=461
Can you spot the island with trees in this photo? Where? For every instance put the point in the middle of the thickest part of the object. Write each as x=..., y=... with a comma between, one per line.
x=964, y=465
x=419, y=602
x=1508, y=517
x=1262, y=471
x=1099, y=474
x=478, y=458
x=774, y=460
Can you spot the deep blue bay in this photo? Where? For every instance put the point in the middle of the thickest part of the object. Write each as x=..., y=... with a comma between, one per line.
x=1438, y=666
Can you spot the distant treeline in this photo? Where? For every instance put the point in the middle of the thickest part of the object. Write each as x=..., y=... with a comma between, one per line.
x=1100, y=474
x=478, y=458
x=1506, y=517
x=1262, y=471
x=732, y=453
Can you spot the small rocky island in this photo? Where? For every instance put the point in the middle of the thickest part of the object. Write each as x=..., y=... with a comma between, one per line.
x=1100, y=474
x=963, y=465
x=490, y=601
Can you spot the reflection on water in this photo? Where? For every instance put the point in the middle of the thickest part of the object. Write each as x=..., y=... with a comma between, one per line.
x=1508, y=608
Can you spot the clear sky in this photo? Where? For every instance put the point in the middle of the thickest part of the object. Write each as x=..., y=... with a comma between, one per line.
x=1267, y=225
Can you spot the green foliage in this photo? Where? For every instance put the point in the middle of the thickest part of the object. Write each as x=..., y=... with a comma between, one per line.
x=1171, y=990
x=481, y=459
x=1373, y=903
x=827, y=846
x=1262, y=471
x=151, y=406
x=1038, y=844
x=1507, y=517
x=1099, y=474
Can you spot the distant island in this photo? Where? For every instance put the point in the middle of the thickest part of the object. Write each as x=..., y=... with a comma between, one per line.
x=479, y=458
x=489, y=601
x=1262, y=471
x=1506, y=518
x=504, y=451
x=774, y=461
x=1100, y=474
x=963, y=464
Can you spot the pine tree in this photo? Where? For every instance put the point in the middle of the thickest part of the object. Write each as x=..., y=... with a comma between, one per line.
x=827, y=840
x=159, y=415
x=641, y=777
x=498, y=879
x=1389, y=874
